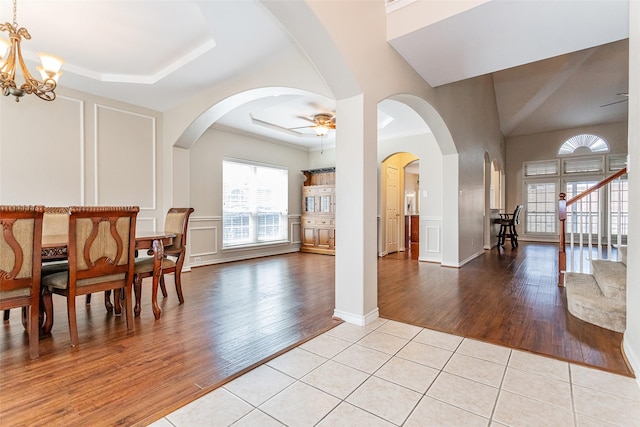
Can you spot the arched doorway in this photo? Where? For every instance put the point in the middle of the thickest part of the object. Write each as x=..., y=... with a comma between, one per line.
x=399, y=148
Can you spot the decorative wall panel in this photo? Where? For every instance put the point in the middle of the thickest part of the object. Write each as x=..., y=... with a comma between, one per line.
x=47, y=165
x=125, y=158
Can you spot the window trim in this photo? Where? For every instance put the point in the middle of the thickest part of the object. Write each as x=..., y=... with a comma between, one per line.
x=568, y=160
x=255, y=243
x=539, y=180
x=587, y=140
x=525, y=164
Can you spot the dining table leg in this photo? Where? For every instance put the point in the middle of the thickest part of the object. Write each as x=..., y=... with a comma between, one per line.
x=158, y=254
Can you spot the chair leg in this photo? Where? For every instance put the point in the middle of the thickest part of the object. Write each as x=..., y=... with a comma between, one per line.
x=127, y=306
x=178, y=286
x=177, y=277
x=47, y=302
x=107, y=302
x=163, y=288
x=154, y=294
x=117, y=306
x=137, y=289
x=513, y=236
x=87, y=299
x=34, y=332
x=6, y=314
x=501, y=236
x=25, y=319
x=73, y=321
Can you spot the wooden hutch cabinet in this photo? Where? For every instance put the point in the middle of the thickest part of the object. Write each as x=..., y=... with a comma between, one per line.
x=318, y=211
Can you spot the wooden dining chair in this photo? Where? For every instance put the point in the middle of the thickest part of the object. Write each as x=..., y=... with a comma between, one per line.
x=176, y=222
x=20, y=254
x=101, y=248
x=55, y=221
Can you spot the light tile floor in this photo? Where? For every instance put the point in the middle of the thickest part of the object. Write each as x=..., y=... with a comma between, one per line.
x=393, y=374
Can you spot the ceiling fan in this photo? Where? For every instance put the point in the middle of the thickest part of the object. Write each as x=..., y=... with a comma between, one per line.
x=626, y=99
x=322, y=122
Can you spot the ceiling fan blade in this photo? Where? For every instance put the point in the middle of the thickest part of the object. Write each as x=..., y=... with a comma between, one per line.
x=616, y=102
x=301, y=127
x=309, y=119
x=276, y=127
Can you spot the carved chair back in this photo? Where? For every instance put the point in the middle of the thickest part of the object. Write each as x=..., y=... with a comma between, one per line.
x=20, y=263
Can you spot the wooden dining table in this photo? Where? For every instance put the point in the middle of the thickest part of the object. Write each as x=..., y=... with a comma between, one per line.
x=54, y=248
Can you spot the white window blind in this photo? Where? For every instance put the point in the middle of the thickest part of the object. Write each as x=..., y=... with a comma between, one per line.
x=255, y=203
x=541, y=207
x=591, y=164
x=546, y=168
x=617, y=162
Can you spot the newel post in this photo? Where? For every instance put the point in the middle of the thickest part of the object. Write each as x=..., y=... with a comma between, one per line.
x=562, y=254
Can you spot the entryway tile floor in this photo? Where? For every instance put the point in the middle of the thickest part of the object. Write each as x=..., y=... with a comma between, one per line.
x=393, y=374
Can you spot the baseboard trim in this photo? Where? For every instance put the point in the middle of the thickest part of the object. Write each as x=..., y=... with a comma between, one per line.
x=631, y=359
x=356, y=319
x=464, y=261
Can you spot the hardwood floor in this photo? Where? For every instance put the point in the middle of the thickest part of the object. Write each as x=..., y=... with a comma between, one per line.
x=508, y=297
x=235, y=316
x=239, y=314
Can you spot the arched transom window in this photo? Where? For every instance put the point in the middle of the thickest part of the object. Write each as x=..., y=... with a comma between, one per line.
x=584, y=142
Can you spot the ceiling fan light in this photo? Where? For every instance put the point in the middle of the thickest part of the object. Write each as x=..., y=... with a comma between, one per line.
x=321, y=130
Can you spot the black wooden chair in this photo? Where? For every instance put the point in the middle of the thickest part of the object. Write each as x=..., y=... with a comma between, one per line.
x=508, y=224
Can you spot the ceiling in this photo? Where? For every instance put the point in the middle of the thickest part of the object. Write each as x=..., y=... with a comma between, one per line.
x=160, y=54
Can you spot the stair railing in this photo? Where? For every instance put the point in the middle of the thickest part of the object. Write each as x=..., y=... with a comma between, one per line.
x=584, y=216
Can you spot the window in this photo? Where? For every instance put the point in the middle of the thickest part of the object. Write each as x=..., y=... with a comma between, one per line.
x=585, y=143
x=541, y=207
x=255, y=203
x=619, y=206
x=583, y=216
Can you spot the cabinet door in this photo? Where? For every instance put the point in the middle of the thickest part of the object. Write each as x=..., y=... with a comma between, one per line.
x=325, y=200
x=308, y=235
x=325, y=238
x=309, y=200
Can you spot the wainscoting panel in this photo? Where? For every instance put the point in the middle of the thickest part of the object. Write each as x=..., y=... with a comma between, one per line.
x=46, y=166
x=430, y=239
x=146, y=224
x=205, y=242
x=125, y=158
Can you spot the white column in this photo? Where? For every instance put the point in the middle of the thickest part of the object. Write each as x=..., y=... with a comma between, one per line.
x=631, y=340
x=356, y=211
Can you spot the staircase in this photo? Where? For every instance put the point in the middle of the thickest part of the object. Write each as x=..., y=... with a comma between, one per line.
x=600, y=298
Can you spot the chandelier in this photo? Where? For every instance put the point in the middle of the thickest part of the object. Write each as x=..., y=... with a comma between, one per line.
x=11, y=58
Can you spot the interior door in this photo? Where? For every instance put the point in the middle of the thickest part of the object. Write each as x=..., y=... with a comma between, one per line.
x=393, y=208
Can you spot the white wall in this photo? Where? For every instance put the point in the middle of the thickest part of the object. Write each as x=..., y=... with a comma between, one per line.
x=205, y=177
x=545, y=146
x=81, y=150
